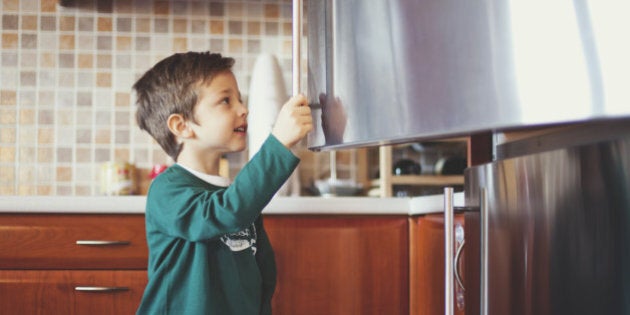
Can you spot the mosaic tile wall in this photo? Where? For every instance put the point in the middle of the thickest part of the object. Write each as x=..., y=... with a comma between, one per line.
x=66, y=104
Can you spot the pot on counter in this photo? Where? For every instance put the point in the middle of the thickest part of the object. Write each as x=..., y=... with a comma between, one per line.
x=406, y=167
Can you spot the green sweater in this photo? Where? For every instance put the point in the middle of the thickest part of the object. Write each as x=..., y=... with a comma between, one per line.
x=208, y=250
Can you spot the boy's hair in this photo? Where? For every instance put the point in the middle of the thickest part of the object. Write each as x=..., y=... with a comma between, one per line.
x=170, y=87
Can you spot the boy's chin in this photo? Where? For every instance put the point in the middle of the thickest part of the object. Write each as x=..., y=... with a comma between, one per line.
x=238, y=148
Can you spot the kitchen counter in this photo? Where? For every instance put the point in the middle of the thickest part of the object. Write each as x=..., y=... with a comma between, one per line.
x=278, y=205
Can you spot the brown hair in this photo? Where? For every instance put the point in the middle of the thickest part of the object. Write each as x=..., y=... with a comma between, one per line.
x=170, y=87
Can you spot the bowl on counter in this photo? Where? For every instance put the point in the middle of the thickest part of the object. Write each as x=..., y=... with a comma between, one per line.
x=337, y=187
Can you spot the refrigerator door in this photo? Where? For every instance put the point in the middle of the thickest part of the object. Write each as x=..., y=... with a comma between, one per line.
x=558, y=238
x=392, y=71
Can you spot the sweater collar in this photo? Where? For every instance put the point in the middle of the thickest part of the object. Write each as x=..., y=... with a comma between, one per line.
x=210, y=179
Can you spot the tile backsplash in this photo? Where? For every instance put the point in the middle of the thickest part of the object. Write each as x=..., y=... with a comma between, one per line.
x=66, y=104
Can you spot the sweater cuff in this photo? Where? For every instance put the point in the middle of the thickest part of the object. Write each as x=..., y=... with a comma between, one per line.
x=276, y=145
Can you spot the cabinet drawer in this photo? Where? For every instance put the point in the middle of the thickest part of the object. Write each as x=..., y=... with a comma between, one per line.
x=71, y=292
x=72, y=241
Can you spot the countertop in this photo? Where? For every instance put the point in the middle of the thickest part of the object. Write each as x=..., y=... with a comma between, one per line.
x=278, y=205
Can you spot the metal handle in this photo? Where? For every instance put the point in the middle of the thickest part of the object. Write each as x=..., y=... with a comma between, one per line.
x=297, y=39
x=483, y=303
x=101, y=289
x=101, y=242
x=449, y=298
x=458, y=255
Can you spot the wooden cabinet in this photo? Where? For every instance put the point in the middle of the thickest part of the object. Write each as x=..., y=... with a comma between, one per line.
x=478, y=150
x=387, y=181
x=426, y=278
x=327, y=264
x=472, y=263
x=72, y=264
x=340, y=264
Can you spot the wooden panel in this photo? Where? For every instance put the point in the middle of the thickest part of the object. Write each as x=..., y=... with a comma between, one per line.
x=424, y=180
x=426, y=275
x=340, y=264
x=472, y=264
x=53, y=292
x=48, y=241
x=385, y=166
x=480, y=149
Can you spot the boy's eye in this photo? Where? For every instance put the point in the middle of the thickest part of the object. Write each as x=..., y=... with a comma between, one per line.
x=226, y=100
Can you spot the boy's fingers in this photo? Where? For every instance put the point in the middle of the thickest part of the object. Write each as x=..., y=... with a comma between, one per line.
x=303, y=110
x=300, y=100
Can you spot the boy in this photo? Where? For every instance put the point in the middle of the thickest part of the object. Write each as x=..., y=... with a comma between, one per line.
x=208, y=250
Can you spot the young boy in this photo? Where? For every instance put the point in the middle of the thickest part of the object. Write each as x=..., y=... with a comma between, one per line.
x=208, y=249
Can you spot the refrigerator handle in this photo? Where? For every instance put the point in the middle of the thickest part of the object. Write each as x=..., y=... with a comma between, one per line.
x=297, y=47
x=483, y=204
x=449, y=298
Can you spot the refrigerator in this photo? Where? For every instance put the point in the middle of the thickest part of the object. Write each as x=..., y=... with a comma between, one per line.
x=397, y=71
x=555, y=226
x=555, y=208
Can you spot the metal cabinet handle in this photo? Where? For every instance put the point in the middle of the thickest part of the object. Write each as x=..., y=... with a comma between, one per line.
x=456, y=264
x=449, y=296
x=101, y=289
x=101, y=242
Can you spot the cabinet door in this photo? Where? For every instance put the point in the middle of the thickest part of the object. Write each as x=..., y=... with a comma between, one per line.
x=59, y=291
x=472, y=265
x=340, y=264
x=427, y=264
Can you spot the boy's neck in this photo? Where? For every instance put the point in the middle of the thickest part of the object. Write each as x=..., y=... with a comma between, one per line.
x=204, y=163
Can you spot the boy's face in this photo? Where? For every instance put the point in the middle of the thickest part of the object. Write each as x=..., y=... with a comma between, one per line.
x=220, y=117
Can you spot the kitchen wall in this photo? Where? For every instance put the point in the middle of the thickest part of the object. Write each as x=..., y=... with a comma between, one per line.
x=66, y=104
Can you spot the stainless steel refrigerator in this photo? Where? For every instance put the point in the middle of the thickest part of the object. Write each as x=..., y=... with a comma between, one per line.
x=555, y=228
x=557, y=209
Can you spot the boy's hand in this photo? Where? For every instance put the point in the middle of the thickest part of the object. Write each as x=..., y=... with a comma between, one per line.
x=294, y=121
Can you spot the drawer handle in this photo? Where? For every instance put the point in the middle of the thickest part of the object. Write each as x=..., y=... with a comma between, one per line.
x=100, y=289
x=101, y=243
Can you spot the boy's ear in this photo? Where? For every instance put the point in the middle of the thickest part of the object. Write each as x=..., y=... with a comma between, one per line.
x=179, y=126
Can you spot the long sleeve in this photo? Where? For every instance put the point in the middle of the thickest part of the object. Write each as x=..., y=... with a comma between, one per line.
x=200, y=211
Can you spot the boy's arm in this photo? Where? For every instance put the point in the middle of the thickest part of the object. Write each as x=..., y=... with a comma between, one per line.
x=196, y=214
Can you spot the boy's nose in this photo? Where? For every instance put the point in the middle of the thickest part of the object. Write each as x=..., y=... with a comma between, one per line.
x=243, y=110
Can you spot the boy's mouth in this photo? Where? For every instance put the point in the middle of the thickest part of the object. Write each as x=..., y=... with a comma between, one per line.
x=242, y=128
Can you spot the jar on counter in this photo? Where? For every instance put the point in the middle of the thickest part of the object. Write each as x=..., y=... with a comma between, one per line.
x=156, y=170
x=118, y=178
